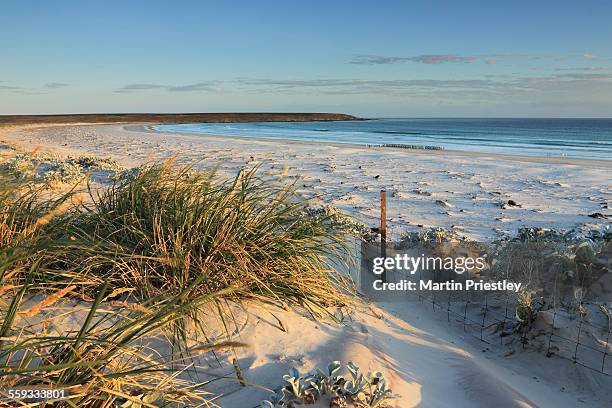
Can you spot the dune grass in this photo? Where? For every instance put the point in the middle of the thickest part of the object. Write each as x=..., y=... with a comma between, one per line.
x=103, y=363
x=175, y=240
x=168, y=226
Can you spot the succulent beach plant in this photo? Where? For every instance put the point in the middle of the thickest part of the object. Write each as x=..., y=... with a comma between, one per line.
x=535, y=234
x=562, y=266
x=362, y=391
x=430, y=236
x=338, y=220
x=51, y=169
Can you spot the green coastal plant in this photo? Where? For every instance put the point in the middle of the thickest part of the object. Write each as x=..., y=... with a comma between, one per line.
x=339, y=221
x=538, y=234
x=562, y=266
x=527, y=308
x=360, y=390
x=429, y=236
x=52, y=169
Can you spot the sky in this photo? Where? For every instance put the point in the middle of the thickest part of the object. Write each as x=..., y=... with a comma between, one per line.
x=368, y=58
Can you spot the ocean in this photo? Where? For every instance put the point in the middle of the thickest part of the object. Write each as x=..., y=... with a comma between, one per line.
x=579, y=138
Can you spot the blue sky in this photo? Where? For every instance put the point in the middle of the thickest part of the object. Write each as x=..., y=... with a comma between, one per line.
x=383, y=58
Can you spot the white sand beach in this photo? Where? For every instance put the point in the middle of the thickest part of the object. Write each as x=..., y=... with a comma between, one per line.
x=462, y=191
x=428, y=361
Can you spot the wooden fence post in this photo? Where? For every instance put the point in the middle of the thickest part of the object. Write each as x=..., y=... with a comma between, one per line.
x=383, y=229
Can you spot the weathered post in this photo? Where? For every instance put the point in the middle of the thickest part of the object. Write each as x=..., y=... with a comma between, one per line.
x=383, y=229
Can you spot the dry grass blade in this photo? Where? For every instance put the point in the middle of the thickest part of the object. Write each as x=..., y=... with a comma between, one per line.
x=50, y=300
x=218, y=346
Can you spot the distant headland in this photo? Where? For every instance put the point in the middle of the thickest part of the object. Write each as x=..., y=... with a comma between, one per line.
x=172, y=118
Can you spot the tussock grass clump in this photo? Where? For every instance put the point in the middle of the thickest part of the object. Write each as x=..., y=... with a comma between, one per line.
x=102, y=361
x=27, y=214
x=165, y=226
x=177, y=241
x=21, y=211
x=168, y=226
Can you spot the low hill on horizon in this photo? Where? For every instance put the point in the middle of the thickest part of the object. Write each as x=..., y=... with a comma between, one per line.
x=172, y=118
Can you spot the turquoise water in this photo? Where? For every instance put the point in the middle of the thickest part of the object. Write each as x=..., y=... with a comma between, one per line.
x=580, y=138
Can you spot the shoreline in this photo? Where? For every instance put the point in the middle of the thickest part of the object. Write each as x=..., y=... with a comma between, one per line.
x=442, y=152
x=464, y=192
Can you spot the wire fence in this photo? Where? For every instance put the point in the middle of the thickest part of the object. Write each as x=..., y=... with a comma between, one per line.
x=581, y=335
